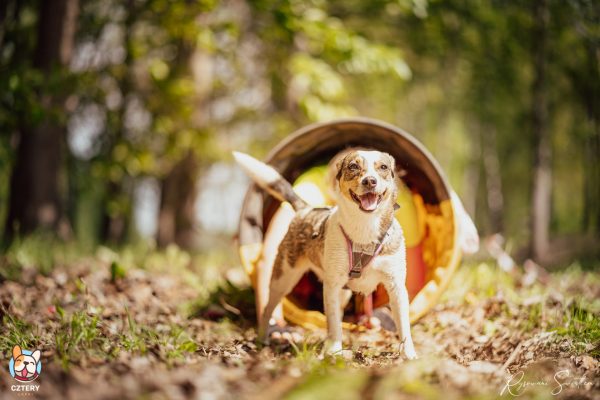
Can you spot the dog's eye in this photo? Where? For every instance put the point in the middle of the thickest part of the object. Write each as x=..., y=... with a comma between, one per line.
x=353, y=166
x=383, y=167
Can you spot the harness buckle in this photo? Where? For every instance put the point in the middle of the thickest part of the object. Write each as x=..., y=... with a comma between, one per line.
x=354, y=274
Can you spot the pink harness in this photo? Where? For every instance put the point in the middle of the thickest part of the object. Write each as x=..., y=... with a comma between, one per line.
x=359, y=260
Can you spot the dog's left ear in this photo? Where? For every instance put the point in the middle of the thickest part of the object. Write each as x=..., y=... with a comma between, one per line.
x=36, y=355
x=392, y=165
x=399, y=172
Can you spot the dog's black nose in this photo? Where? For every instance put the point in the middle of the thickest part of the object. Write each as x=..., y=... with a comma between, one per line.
x=26, y=362
x=370, y=182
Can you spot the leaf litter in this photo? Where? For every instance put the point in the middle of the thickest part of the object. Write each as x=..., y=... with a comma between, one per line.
x=106, y=333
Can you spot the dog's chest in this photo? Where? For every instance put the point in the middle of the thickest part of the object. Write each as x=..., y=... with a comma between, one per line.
x=373, y=274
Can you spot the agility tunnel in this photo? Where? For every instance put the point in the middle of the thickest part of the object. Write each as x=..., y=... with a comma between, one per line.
x=427, y=214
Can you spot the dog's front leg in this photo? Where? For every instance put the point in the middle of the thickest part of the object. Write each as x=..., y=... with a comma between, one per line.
x=331, y=298
x=400, y=307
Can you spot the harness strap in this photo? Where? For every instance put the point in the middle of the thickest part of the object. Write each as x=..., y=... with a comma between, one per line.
x=362, y=260
x=356, y=270
x=359, y=260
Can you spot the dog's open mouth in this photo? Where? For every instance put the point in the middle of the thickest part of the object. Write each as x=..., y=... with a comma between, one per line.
x=367, y=202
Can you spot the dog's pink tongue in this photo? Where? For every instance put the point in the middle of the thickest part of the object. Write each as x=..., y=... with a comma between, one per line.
x=24, y=373
x=368, y=201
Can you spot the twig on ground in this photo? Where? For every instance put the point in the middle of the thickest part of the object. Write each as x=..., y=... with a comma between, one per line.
x=229, y=307
x=512, y=357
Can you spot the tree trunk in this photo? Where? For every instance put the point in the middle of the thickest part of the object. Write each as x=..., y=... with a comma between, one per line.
x=542, y=164
x=36, y=190
x=179, y=188
x=472, y=178
x=493, y=179
x=4, y=7
x=590, y=89
x=116, y=215
x=591, y=162
x=177, y=204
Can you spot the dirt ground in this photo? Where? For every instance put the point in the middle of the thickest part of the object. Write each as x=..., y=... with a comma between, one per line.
x=141, y=334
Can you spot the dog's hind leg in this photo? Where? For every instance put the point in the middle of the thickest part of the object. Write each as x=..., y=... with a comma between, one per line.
x=276, y=231
x=282, y=283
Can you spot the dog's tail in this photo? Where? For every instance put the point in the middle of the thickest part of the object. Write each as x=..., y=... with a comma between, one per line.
x=270, y=180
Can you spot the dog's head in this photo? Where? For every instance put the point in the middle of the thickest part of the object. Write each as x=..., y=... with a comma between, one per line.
x=25, y=365
x=366, y=180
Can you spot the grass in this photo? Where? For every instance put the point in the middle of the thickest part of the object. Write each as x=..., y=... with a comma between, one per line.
x=583, y=327
x=16, y=331
x=308, y=358
x=79, y=333
x=534, y=308
x=171, y=342
x=41, y=251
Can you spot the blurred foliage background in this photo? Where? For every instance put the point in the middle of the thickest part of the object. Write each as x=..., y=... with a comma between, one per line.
x=117, y=117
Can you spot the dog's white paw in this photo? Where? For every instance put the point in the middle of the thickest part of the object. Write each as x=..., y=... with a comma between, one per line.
x=286, y=336
x=409, y=352
x=280, y=334
x=333, y=348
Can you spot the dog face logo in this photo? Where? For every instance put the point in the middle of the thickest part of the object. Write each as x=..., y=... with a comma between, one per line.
x=25, y=365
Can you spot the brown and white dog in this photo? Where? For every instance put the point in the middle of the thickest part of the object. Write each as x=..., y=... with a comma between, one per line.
x=325, y=240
